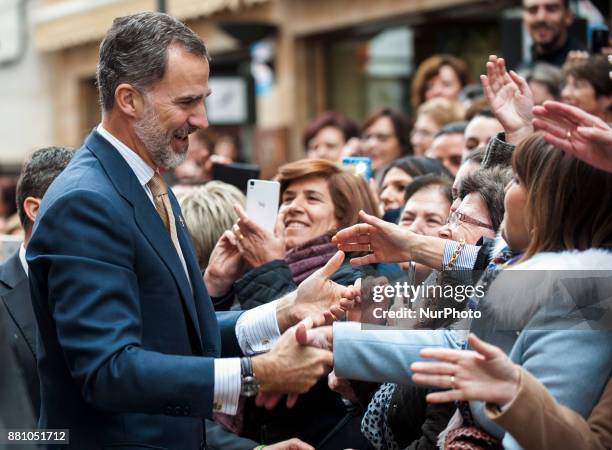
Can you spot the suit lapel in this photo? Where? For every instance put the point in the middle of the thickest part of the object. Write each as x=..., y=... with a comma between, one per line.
x=147, y=218
x=205, y=307
x=11, y=272
x=17, y=299
x=19, y=306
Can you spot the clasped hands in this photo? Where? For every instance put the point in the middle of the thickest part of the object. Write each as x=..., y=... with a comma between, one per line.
x=302, y=355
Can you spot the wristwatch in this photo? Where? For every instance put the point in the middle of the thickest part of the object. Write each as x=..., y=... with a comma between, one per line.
x=249, y=385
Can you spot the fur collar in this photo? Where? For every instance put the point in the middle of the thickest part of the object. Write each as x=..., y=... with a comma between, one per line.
x=519, y=291
x=498, y=245
x=591, y=259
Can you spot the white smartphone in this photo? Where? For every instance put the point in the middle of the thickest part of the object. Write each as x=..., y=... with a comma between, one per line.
x=262, y=202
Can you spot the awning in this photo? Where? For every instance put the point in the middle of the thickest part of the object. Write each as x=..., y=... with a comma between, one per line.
x=74, y=22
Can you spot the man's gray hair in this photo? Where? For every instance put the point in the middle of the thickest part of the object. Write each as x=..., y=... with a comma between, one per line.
x=135, y=51
x=476, y=156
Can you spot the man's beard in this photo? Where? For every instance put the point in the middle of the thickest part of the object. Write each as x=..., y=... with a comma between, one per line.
x=555, y=41
x=156, y=141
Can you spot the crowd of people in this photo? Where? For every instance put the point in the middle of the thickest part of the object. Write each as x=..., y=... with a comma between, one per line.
x=139, y=315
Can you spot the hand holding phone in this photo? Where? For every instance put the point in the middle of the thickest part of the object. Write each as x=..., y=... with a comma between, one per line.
x=257, y=245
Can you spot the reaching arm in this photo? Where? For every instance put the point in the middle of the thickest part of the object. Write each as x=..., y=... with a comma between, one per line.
x=576, y=132
x=550, y=425
x=384, y=355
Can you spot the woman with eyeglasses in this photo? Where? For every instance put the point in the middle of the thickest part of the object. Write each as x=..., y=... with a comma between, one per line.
x=559, y=216
x=398, y=416
x=481, y=209
x=385, y=137
x=490, y=375
x=543, y=309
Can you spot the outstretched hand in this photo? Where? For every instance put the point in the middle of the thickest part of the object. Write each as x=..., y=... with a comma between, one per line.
x=576, y=132
x=510, y=98
x=318, y=298
x=384, y=241
x=322, y=299
x=485, y=373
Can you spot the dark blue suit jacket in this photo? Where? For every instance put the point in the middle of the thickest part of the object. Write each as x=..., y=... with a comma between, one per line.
x=125, y=348
x=21, y=323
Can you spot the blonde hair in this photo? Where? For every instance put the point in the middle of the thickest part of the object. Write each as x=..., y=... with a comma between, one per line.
x=442, y=111
x=208, y=211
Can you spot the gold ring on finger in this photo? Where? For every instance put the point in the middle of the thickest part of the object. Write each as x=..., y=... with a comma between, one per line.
x=452, y=381
x=569, y=134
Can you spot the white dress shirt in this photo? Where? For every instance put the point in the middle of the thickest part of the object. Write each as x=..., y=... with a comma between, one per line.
x=256, y=329
x=22, y=258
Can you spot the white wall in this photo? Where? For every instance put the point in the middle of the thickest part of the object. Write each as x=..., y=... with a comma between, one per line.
x=25, y=97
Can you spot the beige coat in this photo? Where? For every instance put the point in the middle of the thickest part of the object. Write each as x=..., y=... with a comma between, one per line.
x=538, y=422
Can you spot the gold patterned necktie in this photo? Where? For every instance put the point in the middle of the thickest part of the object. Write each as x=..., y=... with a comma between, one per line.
x=159, y=189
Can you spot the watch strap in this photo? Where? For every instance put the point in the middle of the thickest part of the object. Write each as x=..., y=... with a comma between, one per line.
x=246, y=367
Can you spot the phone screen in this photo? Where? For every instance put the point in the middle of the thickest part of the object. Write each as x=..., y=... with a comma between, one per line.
x=599, y=39
x=359, y=165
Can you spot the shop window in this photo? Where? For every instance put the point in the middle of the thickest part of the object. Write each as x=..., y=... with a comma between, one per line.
x=369, y=73
x=366, y=70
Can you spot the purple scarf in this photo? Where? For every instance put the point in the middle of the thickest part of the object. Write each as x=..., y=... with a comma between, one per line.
x=310, y=256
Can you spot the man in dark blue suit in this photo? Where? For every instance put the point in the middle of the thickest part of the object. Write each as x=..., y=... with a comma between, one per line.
x=36, y=176
x=129, y=344
x=15, y=409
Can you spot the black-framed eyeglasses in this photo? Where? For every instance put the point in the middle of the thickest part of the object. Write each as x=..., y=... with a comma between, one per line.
x=456, y=217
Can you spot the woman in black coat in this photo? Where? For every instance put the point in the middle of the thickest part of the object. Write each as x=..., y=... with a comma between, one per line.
x=254, y=266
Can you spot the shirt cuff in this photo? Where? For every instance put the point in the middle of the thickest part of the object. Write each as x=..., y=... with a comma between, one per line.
x=467, y=257
x=257, y=329
x=226, y=392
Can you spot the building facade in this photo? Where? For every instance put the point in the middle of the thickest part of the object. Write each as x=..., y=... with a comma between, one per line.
x=276, y=63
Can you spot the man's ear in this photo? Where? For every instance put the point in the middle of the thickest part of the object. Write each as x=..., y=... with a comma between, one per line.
x=129, y=100
x=30, y=207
